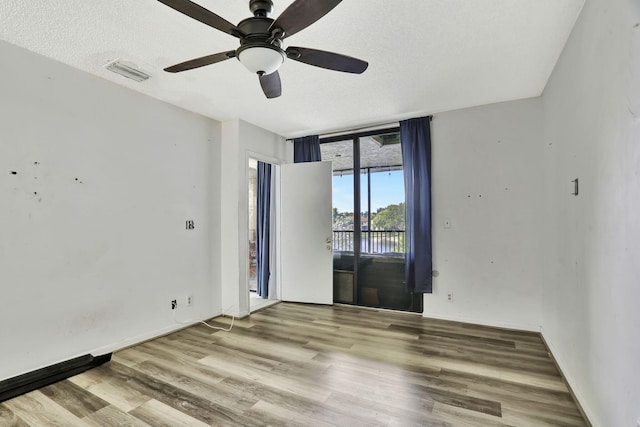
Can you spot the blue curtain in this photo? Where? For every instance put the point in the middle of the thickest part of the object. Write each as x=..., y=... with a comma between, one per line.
x=263, y=215
x=415, y=139
x=306, y=149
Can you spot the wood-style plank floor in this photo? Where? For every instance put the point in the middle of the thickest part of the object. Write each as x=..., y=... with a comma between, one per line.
x=305, y=365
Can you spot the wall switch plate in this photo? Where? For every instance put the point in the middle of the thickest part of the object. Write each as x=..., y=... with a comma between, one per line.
x=447, y=223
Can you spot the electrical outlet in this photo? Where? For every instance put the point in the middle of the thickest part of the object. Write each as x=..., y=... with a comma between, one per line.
x=450, y=297
x=174, y=304
x=188, y=300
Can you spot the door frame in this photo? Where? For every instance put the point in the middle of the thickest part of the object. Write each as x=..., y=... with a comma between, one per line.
x=244, y=216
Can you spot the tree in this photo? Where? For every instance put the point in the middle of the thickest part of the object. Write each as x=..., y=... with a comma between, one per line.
x=389, y=218
x=342, y=220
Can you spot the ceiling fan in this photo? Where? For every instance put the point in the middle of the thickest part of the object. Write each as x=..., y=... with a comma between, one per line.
x=261, y=38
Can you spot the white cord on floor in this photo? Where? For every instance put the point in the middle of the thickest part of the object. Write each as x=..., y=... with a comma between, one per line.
x=205, y=323
x=218, y=328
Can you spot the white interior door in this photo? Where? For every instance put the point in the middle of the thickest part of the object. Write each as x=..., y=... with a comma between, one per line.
x=306, y=233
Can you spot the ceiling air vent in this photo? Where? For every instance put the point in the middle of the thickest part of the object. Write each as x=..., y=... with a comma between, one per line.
x=127, y=69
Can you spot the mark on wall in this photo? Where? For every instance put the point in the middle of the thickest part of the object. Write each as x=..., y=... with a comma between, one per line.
x=31, y=186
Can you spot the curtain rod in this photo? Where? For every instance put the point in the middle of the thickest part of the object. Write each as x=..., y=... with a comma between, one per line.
x=360, y=129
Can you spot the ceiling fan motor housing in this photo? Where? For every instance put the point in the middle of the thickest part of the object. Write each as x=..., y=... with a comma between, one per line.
x=255, y=28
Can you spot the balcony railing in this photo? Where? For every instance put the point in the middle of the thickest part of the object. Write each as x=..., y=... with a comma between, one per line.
x=371, y=242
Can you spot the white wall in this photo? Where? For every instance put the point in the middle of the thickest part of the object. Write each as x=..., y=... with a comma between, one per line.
x=486, y=173
x=93, y=243
x=591, y=315
x=241, y=140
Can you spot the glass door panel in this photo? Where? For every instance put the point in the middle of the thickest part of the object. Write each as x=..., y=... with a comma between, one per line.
x=340, y=153
x=381, y=276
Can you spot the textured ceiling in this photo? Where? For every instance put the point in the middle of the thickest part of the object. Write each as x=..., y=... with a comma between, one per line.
x=425, y=56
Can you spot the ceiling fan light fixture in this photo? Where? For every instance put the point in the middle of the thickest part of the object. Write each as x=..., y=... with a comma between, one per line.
x=263, y=59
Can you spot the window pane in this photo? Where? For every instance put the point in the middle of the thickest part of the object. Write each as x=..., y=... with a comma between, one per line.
x=382, y=190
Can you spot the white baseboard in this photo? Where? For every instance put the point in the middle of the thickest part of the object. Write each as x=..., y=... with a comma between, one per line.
x=128, y=342
x=484, y=322
x=577, y=395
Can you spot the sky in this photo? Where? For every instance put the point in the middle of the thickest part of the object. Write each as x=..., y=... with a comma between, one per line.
x=387, y=188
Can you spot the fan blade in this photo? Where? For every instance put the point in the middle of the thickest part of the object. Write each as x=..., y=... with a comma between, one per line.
x=328, y=60
x=203, y=15
x=271, y=85
x=201, y=62
x=302, y=13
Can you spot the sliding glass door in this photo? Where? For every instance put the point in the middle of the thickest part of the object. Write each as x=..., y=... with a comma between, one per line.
x=368, y=220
